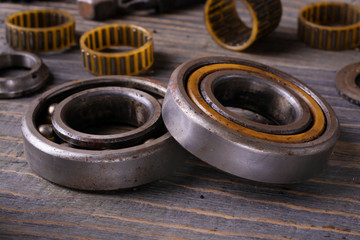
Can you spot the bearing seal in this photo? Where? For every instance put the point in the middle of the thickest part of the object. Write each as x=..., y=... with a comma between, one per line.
x=93, y=42
x=330, y=25
x=348, y=83
x=265, y=157
x=23, y=84
x=41, y=30
x=90, y=169
x=227, y=29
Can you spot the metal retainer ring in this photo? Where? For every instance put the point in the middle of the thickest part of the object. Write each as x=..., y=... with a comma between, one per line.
x=348, y=83
x=23, y=84
x=227, y=29
x=117, y=63
x=41, y=30
x=239, y=150
x=330, y=25
x=88, y=169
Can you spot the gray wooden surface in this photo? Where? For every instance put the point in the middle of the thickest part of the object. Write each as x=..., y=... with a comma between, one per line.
x=197, y=201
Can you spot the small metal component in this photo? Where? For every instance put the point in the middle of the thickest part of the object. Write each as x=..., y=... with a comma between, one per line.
x=348, y=83
x=99, y=62
x=97, y=9
x=33, y=30
x=82, y=118
x=228, y=30
x=24, y=83
x=47, y=131
x=51, y=109
x=105, y=169
x=236, y=149
x=330, y=25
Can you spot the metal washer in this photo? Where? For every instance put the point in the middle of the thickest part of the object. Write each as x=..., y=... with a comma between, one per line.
x=95, y=169
x=347, y=82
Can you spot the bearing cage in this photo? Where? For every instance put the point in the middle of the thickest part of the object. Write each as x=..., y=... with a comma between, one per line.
x=95, y=169
x=239, y=154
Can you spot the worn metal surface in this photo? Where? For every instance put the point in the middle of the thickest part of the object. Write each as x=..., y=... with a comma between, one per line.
x=229, y=146
x=197, y=201
x=123, y=166
x=348, y=83
x=24, y=83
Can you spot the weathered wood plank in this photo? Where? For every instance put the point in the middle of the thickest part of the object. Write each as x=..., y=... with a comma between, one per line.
x=197, y=201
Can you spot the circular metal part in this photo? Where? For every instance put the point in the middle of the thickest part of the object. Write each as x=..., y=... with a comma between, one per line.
x=228, y=30
x=96, y=44
x=25, y=82
x=330, y=25
x=244, y=152
x=83, y=119
x=108, y=169
x=348, y=83
x=246, y=90
x=41, y=30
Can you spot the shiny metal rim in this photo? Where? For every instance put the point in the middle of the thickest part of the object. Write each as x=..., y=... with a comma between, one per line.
x=348, y=83
x=26, y=83
x=74, y=118
x=258, y=94
x=96, y=169
x=240, y=154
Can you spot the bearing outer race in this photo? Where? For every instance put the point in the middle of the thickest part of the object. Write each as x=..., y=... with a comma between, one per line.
x=313, y=29
x=20, y=85
x=195, y=95
x=98, y=170
x=300, y=124
x=105, y=141
x=240, y=154
x=119, y=63
x=345, y=81
x=223, y=22
x=27, y=30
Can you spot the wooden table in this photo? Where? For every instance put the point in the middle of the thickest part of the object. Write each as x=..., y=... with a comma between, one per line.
x=197, y=201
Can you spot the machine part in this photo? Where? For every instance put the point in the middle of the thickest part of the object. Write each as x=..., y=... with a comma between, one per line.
x=24, y=83
x=97, y=61
x=97, y=9
x=228, y=30
x=246, y=90
x=348, y=83
x=109, y=169
x=241, y=151
x=75, y=116
x=330, y=25
x=41, y=30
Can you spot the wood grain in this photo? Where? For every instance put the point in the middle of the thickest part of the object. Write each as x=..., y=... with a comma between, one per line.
x=197, y=201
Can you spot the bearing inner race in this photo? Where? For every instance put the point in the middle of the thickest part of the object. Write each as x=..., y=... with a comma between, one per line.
x=107, y=118
x=313, y=132
x=283, y=111
x=22, y=84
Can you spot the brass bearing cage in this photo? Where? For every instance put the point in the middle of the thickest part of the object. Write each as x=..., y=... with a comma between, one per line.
x=330, y=26
x=227, y=29
x=133, y=62
x=41, y=30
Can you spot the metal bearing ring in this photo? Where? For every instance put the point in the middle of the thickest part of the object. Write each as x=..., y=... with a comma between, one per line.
x=227, y=29
x=330, y=25
x=348, y=83
x=22, y=84
x=99, y=62
x=235, y=147
x=150, y=157
x=40, y=30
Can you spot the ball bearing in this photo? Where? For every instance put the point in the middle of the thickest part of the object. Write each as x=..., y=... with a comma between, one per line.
x=274, y=157
x=131, y=162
